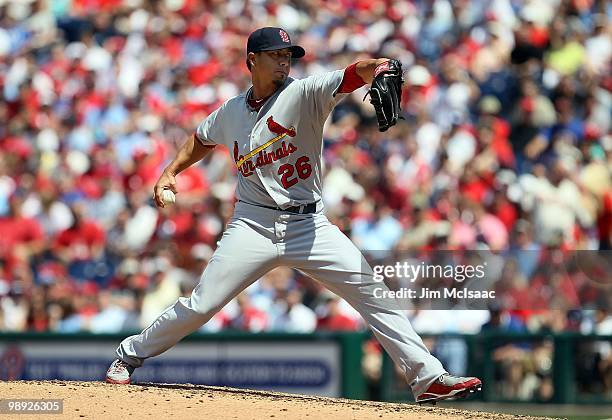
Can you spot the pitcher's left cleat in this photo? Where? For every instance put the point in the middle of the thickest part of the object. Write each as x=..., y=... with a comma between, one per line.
x=448, y=386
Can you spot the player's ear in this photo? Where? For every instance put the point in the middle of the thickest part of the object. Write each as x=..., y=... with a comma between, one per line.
x=251, y=58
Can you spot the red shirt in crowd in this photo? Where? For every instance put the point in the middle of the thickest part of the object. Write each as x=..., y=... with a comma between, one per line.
x=16, y=231
x=82, y=239
x=337, y=322
x=251, y=319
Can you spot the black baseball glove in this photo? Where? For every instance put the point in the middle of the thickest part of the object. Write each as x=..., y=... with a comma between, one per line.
x=386, y=93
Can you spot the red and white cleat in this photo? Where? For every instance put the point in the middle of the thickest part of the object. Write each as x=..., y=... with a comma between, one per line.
x=448, y=386
x=119, y=372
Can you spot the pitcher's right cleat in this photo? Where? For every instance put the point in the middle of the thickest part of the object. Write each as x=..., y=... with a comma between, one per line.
x=119, y=372
x=448, y=386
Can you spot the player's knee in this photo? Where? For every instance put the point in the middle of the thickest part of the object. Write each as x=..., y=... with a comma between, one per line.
x=205, y=304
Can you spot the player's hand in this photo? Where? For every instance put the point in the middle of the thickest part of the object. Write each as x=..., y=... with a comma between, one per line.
x=167, y=181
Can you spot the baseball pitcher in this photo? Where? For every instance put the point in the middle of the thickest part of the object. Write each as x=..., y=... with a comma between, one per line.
x=274, y=133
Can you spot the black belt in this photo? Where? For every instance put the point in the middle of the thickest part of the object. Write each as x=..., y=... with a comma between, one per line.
x=303, y=209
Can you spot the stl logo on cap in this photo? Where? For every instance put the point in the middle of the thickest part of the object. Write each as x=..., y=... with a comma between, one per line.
x=284, y=35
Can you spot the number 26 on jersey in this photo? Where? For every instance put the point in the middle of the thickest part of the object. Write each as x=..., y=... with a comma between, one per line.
x=290, y=173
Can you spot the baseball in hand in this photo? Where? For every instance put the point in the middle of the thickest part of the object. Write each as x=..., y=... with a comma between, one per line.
x=168, y=197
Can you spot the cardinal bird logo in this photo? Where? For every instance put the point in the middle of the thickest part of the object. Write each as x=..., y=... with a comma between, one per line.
x=278, y=129
x=247, y=166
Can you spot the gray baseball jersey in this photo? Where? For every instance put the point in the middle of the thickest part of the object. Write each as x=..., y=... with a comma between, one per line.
x=278, y=153
x=278, y=149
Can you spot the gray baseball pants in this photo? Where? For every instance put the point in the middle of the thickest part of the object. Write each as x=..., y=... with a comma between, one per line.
x=257, y=240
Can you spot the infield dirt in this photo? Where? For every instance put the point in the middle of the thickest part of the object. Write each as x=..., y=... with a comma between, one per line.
x=98, y=400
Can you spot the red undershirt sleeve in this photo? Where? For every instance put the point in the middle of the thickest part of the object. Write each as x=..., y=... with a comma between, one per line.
x=351, y=80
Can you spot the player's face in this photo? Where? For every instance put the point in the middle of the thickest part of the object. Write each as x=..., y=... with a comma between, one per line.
x=275, y=64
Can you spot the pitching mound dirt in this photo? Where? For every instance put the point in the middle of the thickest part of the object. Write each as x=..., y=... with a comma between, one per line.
x=97, y=400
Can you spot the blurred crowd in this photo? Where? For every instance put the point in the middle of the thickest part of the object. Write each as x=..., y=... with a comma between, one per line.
x=505, y=145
